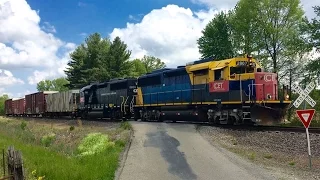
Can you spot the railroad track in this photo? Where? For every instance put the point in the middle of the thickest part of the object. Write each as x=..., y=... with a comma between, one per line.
x=313, y=130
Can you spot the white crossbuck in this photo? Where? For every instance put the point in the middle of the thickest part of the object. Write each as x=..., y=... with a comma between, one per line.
x=304, y=95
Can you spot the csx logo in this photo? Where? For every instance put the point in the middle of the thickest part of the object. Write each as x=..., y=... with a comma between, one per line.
x=269, y=77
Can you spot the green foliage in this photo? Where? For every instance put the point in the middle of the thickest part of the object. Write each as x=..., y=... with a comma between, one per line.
x=314, y=27
x=152, y=63
x=23, y=125
x=216, y=40
x=48, y=139
x=145, y=65
x=125, y=125
x=98, y=60
x=58, y=84
x=278, y=24
x=138, y=68
x=244, y=23
x=94, y=143
x=53, y=165
x=71, y=128
x=3, y=98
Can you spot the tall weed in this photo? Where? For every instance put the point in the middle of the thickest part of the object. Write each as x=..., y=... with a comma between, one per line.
x=94, y=143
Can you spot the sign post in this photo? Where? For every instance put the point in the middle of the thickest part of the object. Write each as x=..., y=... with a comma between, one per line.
x=305, y=115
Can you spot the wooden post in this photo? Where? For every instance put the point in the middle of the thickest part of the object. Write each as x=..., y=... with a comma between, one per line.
x=4, y=163
x=15, y=164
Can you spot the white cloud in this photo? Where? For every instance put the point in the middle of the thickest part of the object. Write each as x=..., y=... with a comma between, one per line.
x=217, y=4
x=7, y=79
x=26, y=44
x=83, y=34
x=169, y=33
x=48, y=27
x=82, y=4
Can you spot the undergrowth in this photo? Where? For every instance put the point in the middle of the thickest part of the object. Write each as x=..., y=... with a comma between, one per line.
x=69, y=153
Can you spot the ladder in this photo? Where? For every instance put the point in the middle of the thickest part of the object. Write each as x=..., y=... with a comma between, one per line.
x=246, y=113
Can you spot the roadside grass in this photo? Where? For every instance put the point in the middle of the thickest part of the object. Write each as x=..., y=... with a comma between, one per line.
x=52, y=149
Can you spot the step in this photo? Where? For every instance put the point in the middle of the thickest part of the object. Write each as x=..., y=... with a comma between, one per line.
x=246, y=106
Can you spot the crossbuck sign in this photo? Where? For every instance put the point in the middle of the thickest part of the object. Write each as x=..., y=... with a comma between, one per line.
x=304, y=95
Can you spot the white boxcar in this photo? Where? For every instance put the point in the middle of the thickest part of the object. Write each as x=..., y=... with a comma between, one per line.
x=63, y=102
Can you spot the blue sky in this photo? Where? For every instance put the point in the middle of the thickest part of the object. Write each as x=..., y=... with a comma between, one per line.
x=36, y=36
x=73, y=17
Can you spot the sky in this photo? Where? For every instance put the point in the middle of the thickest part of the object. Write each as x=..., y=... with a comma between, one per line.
x=36, y=36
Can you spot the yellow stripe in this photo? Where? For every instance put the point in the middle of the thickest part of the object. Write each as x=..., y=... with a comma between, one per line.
x=209, y=103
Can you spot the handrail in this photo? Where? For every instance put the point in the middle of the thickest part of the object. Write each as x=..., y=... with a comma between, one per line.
x=131, y=103
x=121, y=103
x=241, y=88
x=124, y=105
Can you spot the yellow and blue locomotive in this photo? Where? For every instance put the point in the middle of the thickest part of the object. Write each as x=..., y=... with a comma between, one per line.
x=231, y=91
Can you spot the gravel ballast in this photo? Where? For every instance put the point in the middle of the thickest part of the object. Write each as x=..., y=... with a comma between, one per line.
x=276, y=150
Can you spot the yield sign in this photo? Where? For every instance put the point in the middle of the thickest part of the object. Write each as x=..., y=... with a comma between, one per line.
x=305, y=116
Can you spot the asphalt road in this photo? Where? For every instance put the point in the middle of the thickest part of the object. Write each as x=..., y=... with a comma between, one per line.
x=172, y=151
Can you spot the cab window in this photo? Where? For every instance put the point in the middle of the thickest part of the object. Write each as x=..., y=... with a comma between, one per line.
x=218, y=74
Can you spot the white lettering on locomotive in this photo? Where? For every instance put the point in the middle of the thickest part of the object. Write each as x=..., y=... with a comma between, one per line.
x=218, y=85
x=269, y=77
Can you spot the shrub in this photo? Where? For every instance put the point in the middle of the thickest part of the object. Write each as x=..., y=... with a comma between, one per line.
x=48, y=139
x=71, y=128
x=23, y=125
x=125, y=125
x=94, y=143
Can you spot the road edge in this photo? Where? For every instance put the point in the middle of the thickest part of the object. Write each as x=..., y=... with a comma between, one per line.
x=124, y=155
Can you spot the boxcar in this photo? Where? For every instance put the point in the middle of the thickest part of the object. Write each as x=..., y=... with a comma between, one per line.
x=36, y=103
x=18, y=106
x=8, y=107
x=62, y=103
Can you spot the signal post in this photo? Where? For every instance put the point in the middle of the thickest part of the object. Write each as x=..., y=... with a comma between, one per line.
x=305, y=115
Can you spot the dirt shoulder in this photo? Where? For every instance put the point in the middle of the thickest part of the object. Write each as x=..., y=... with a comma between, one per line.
x=283, y=152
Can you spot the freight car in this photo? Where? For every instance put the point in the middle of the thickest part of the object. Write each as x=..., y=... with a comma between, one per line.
x=62, y=104
x=8, y=107
x=111, y=99
x=18, y=106
x=36, y=103
x=231, y=91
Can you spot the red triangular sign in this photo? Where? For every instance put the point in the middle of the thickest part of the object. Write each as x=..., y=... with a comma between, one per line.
x=305, y=116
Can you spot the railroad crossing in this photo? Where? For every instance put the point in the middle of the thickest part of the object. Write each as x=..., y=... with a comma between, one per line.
x=304, y=94
x=305, y=115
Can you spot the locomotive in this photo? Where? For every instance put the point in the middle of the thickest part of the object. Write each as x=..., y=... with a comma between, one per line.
x=231, y=91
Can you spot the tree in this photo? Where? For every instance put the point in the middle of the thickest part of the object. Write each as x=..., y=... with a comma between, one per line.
x=3, y=98
x=244, y=22
x=118, y=63
x=138, y=68
x=58, y=84
x=278, y=22
x=314, y=28
x=98, y=60
x=216, y=40
x=152, y=63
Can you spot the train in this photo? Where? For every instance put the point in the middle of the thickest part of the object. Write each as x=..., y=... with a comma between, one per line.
x=230, y=91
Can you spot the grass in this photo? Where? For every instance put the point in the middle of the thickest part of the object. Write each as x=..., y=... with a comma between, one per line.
x=53, y=151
